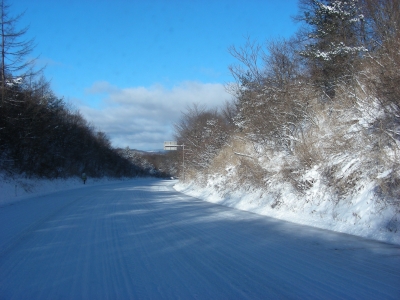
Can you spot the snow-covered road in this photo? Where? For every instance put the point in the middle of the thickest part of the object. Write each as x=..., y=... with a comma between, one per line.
x=142, y=240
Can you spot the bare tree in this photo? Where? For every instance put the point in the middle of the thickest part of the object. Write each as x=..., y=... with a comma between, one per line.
x=269, y=104
x=229, y=111
x=15, y=66
x=204, y=131
x=383, y=18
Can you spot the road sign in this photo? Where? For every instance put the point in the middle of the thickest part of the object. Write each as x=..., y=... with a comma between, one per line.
x=171, y=145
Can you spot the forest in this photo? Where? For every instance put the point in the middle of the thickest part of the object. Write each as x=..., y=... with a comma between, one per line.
x=40, y=134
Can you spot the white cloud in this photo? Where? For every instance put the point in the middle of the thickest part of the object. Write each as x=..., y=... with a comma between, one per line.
x=143, y=118
x=101, y=87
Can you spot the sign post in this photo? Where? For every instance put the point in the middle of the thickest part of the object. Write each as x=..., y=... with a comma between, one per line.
x=173, y=146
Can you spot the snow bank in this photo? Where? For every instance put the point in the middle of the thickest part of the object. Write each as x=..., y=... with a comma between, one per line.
x=362, y=216
x=17, y=188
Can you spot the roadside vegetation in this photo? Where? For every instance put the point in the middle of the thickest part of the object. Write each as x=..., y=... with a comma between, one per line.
x=316, y=116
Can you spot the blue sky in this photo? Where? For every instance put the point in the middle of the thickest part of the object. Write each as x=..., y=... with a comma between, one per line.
x=131, y=66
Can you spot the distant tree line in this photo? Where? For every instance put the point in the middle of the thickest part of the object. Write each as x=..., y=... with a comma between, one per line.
x=157, y=164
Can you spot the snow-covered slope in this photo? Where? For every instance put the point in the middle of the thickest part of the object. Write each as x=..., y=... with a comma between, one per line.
x=361, y=215
x=341, y=173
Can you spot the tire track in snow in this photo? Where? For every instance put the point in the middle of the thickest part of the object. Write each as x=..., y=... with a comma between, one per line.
x=8, y=243
x=142, y=240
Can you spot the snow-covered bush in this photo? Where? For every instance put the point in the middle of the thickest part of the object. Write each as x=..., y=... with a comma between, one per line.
x=317, y=136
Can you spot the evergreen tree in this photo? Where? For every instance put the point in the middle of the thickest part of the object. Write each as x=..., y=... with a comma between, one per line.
x=333, y=35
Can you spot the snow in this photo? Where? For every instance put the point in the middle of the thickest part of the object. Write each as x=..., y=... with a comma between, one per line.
x=384, y=174
x=17, y=188
x=359, y=215
x=140, y=239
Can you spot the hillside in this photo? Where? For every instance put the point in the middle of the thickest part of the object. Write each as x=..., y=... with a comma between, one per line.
x=312, y=134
